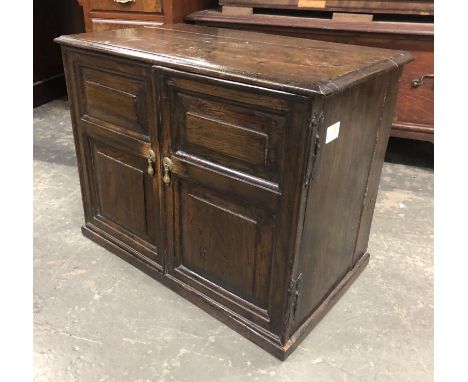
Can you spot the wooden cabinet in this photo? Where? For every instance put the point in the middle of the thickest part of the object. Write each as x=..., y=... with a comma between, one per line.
x=392, y=24
x=102, y=15
x=245, y=182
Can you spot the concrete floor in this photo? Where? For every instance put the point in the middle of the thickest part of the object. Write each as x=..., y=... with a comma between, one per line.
x=96, y=318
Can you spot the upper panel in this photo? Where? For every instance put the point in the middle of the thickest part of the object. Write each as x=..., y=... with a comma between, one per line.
x=114, y=95
x=228, y=126
x=282, y=63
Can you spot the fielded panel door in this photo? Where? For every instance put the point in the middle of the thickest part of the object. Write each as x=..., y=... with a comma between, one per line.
x=116, y=134
x=229, y=190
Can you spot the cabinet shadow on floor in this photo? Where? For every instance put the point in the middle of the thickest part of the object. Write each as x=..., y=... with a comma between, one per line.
x=410, y=152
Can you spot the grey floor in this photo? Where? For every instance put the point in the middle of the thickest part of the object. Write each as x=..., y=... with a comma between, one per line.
x=96, y=318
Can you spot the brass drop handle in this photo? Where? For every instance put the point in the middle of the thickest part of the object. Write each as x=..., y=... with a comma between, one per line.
x=151, y=158
x=416, y=83
x=167, y=166
x=124, y=1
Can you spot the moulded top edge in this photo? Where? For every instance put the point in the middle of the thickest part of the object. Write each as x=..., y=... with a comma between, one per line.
x=284, y=63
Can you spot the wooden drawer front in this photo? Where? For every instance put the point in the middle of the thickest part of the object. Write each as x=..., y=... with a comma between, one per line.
x=147, y=6
x=112, y=24
x=114, y=96
x=238, y=130
x=416, y=104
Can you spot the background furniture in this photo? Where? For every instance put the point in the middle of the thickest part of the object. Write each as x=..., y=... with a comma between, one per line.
x=393, y=24
x=250, y=192
x=51, y=19
x=117, y=14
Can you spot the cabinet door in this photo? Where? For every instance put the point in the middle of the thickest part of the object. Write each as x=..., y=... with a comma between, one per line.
x=124, y=200
x=228, y=224
x=115, y=131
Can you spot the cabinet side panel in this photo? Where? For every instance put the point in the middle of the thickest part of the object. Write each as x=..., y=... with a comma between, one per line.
x=337, y=193
x=376, y=166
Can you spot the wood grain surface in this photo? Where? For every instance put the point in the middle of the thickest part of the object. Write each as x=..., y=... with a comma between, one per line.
x=291, y=64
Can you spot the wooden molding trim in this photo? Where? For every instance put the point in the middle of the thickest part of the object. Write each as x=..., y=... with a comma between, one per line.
x=255, y=334
x=290, y=22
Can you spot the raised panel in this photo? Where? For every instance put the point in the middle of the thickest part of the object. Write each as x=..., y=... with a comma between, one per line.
x=124, y=198
x=121, y=189
x=225, y=138
x=224, y=243
x=115, y=101
x=239, y=130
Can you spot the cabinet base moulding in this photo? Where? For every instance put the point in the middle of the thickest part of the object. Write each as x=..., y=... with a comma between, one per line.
x=255, y=334
x=412, y=131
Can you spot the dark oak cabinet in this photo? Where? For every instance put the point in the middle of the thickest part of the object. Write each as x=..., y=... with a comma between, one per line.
x=220, y=172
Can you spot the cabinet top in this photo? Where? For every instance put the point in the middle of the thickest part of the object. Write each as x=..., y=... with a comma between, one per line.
x=283, y=63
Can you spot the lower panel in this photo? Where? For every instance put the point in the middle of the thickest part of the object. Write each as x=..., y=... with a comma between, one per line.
x=254, y=333
x=224, y=249
x=124, y=198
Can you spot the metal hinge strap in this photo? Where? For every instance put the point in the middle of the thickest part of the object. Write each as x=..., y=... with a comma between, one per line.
x=316, y=122
x=294, y=295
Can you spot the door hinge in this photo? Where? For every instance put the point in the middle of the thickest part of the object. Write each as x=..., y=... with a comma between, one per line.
x=293, y=296
x=315, y=123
